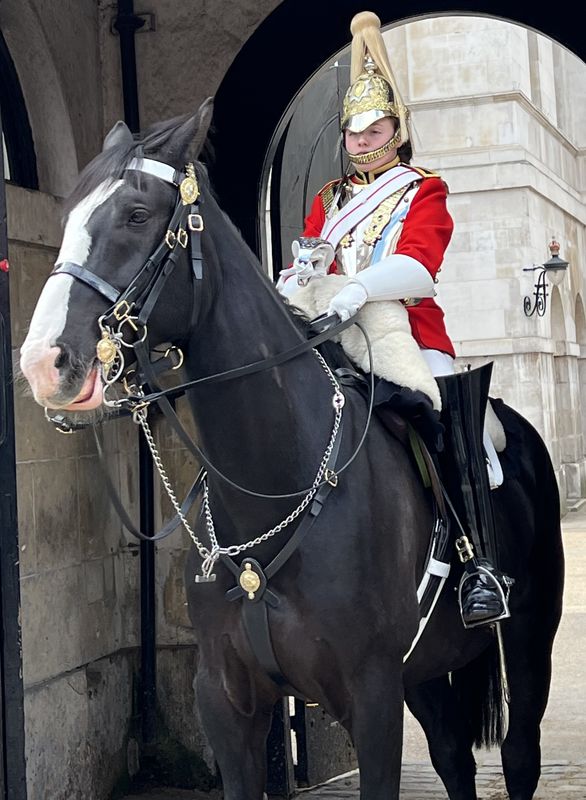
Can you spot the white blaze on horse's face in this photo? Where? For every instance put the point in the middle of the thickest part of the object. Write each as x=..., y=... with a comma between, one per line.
x=39, y=350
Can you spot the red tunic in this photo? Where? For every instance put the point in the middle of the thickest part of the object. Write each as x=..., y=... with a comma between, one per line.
x=426, y=233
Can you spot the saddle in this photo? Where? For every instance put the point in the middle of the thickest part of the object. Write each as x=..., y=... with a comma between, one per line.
x=403, y=411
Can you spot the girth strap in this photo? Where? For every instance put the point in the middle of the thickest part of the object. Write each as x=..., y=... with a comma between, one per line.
x=251, y=574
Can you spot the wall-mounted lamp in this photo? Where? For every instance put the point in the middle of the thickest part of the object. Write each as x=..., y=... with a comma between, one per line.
x=554, y=270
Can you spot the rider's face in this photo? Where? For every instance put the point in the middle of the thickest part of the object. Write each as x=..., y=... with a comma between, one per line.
x=376, y=135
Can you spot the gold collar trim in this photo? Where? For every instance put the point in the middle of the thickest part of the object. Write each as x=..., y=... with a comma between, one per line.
x=369, y=177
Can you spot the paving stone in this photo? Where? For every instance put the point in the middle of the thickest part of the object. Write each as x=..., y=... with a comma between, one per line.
x=419, y=782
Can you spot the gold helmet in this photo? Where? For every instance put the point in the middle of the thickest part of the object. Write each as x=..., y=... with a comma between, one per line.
x=372, y=93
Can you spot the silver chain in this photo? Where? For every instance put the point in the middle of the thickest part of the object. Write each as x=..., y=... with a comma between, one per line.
x=210, y=556
x=140, y=416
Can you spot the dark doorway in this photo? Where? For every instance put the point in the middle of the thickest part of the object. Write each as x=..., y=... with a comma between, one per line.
x=18, y=137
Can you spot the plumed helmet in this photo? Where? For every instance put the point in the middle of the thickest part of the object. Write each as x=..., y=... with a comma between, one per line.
x=372, y=93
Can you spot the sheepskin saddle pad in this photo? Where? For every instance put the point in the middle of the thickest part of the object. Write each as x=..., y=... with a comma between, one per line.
x=395, y=353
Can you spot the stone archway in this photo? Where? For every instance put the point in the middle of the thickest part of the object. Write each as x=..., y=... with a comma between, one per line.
x=315, y=33
x=46, y=104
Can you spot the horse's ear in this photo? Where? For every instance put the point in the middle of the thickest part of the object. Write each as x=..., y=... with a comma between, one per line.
x=120, y=134
x=187, y=139
x=204, y=119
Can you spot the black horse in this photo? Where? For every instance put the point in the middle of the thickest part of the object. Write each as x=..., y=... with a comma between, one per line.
x=347, y=608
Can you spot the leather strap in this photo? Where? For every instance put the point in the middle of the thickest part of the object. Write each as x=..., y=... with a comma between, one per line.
x=167, y=529
x=89, y=278
x=162, y=398
x=255, y=366
x=255, y=609
x=427, y=464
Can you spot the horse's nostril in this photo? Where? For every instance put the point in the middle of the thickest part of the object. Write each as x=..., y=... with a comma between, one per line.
x=61, y=359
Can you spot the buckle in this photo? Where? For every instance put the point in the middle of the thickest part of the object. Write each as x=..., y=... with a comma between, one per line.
x=122, y=310
x=464, y=548
x=195, y=223
x=331, y=477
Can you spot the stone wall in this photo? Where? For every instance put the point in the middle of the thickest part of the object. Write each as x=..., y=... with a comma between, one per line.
x=79, y=574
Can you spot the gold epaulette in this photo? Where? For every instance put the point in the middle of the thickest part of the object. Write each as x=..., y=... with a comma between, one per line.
x=425, y=173
x=328, y=192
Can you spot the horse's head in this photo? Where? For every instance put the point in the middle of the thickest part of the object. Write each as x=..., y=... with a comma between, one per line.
x=116, y=222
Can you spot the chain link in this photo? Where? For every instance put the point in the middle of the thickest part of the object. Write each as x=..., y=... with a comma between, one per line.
x=210, y=556
x=141, y=418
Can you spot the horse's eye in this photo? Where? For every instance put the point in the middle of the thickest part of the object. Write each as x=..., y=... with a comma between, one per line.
x=139, y=216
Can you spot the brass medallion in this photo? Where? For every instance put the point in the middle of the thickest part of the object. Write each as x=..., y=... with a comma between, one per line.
x=249, y=581
x=106, y=350
x=189, y=188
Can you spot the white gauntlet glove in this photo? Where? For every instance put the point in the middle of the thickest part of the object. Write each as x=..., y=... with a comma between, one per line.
x=348, y=301
x=312, y=258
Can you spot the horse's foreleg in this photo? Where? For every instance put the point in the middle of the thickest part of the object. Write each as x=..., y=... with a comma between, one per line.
x=237, y=734
x=437, y=710
x=376, y=728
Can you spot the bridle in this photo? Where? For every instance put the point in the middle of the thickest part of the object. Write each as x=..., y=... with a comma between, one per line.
x=131, y=308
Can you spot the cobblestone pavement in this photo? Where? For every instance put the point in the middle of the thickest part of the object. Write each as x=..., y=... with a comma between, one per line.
x=559, y=781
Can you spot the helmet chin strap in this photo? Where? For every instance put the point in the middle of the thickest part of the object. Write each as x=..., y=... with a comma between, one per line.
x=374, y=155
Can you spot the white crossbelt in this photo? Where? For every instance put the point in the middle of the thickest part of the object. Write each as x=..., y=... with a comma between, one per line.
x=367, y=201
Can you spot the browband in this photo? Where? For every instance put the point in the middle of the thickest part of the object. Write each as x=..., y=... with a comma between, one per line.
x=158, y=169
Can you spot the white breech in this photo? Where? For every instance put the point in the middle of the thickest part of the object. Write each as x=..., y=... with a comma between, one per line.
x=443, y=364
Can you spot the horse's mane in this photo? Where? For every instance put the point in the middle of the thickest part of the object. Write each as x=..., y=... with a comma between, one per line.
x=232, y=237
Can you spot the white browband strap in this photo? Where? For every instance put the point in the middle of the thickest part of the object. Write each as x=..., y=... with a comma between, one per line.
x=158, y=169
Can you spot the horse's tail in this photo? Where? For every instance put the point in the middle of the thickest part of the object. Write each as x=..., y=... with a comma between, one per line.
x=480, y=691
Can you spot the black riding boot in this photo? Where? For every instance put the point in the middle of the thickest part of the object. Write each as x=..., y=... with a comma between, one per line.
x=483, y=591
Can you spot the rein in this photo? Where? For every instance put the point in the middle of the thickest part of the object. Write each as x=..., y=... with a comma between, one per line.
x=132, y=308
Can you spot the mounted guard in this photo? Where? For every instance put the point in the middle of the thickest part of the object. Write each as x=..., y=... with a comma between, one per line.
x=385, y=225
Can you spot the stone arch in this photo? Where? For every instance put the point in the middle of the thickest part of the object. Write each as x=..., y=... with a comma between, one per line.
x=48, y=113
x=18, y=151
x=235, y=99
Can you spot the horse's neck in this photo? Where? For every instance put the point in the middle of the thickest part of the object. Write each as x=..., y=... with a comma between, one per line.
x=266, y=431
